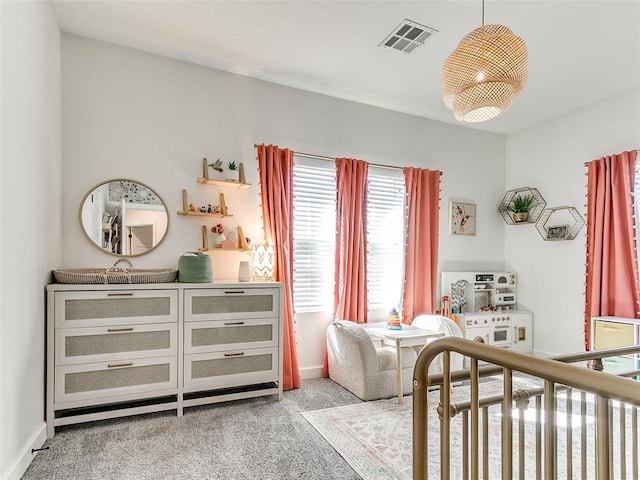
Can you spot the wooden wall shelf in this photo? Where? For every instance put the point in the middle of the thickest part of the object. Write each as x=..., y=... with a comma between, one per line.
x=223, y=183
x=224, y=211
x=202, y=214
x=242, y=244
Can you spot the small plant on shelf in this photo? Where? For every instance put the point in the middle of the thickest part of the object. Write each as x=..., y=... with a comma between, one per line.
x=232, y=174
x=520, y=206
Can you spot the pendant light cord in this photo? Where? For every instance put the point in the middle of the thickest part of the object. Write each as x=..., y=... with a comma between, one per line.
x=483, y=13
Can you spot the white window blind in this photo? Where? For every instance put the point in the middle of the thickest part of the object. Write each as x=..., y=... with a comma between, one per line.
x=314, y=235
x=385, y=238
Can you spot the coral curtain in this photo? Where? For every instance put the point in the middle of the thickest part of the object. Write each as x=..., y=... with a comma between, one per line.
x=350, y=294
x=275, y=166
x=421, y=257
x=612, y=279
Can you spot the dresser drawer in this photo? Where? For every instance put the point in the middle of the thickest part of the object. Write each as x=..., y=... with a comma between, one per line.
x=115, y=307
x=615, y=365
x=100, y=344
x=216, y=336
x=232, y=303
x=109, y=379
x=209, y=371
x=613, y=334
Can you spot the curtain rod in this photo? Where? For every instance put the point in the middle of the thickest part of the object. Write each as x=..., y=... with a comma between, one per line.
x=329, y=159
x=587, y=163
x=332, y=159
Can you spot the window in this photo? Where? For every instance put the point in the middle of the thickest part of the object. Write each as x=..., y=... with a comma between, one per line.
x=314, y=227
x=314, y=234
x=385, y=238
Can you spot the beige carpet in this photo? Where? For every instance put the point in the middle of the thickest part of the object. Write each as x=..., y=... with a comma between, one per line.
x=251, y=439
x=375, y=438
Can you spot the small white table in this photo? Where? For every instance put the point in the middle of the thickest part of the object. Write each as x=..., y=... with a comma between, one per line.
x=407, y=337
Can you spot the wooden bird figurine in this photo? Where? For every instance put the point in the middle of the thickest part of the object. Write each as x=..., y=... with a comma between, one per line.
x=217, y=165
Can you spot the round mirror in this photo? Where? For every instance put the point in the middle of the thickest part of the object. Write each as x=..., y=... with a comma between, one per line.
x=124, y=217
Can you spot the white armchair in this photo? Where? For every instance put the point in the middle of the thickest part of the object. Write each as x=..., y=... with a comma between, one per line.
x=358, y=365
x=439, y=323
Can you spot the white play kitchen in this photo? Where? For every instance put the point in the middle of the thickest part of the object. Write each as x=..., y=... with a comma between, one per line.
x=485, y=306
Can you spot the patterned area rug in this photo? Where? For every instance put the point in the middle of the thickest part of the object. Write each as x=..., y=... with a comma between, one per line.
x=375, y=438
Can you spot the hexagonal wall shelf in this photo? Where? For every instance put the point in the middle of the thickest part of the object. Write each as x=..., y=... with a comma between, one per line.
x=570, y=217
x=534, y=213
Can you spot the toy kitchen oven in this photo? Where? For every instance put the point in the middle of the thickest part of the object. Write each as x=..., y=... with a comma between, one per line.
x=485, y=309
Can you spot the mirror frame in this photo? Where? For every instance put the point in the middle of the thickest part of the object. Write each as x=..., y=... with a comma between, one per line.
x=104, y=250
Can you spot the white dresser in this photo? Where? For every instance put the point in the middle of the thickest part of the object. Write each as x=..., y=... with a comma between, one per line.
x=115, y=350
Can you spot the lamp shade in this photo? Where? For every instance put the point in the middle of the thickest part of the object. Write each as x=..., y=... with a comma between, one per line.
x=262, y=262
x=484, y=73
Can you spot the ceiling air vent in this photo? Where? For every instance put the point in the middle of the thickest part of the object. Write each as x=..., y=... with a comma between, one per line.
x=408, y=36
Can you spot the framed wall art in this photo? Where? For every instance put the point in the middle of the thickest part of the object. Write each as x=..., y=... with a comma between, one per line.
x=558, y=232
x=462, y=218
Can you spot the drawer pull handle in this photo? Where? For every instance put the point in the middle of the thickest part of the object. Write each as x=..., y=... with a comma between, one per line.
x=123, y=329
x=234, y=323
x=234, y=354
x=610, y=328
x=234, y=292
x=120, y=294
x=125, y=364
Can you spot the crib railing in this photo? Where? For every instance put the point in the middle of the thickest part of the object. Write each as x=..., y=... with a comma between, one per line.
x=512, y=415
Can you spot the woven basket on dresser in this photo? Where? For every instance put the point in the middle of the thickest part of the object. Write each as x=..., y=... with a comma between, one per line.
x=97, y=275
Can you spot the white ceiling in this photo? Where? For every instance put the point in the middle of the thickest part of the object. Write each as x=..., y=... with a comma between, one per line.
x=579, y=51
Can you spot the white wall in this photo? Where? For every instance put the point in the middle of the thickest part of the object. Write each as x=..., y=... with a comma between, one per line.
x=131, y=114
x=30, y=205
x=551, y=157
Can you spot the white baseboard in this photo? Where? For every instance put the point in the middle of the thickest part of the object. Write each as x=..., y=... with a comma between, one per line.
x=311, y=372
x=25, y=457
x=540, y=353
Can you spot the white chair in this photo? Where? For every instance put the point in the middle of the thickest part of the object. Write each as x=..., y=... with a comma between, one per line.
x=368, y=372
x=439, y=323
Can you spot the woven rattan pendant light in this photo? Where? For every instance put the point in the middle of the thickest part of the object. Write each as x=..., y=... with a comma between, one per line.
x=484, y=73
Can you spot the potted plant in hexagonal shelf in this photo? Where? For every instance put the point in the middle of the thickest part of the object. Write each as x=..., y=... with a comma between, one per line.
x=520, y=206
